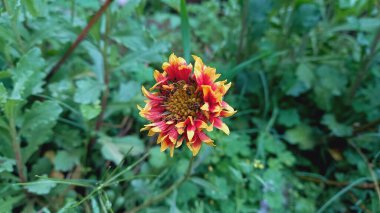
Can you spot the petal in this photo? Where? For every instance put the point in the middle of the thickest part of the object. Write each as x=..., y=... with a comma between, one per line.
x=149, y=95
x=218, y=123
x=190, y=132
x=203, y=137
x=179, y=142
x=194, y=147
x=204, y=75
x=171, y=151
x=177, y=68
x=205, y=107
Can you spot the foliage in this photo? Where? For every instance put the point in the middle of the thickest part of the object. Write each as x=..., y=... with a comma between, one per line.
x=306, y=84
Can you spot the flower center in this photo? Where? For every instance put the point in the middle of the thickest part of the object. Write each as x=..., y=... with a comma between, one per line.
x=182, y=101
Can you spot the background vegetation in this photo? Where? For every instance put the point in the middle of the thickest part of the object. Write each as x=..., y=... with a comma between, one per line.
x=306, y=84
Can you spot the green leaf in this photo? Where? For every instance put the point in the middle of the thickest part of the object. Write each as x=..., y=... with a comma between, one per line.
x=90, y=111
x=364, y=24
x=157, y=159
x=38, y=123
x=12, y=108
x=305, y=75
x=111, y=152
x=223, y=189
x=36, y=8
x=115, y=149
x=3, y=95
x=30, y=7
x=287, y=158
x=128, y=91
x=6, y=164
x=130, y=142
x=188, y=191
x=302, y=135
x=337, y=129
x=7, y=203
x=289, y=117
x=42, y=166
x=65, y=161
x=28, y=75
x=305, y=17
x=233, y=144
x=270, y=143
x=172, y=3
x=88, y=91
x=185, y=30
x=330, y=79
x=40, y=187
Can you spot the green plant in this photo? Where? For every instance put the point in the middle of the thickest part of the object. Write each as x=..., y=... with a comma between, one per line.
x=305, y=82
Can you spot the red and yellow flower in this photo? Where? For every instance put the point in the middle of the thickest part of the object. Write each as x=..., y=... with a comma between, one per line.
x=182, y=105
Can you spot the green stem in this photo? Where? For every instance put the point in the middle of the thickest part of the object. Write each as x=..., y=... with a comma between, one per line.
x=17, y=150
x=165, y=193
x=106, y=76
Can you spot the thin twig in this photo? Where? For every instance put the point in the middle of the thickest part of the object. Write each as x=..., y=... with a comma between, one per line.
x=361, y=205
x=80, y=37
x=370, y=169
x=335, y=183
x=165, y=193
x=366, y=126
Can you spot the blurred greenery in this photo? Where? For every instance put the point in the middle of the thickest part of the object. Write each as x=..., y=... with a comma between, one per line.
x=306, y=84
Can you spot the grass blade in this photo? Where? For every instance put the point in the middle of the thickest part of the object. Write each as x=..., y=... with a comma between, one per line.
x=341, y=192
x=185, y=30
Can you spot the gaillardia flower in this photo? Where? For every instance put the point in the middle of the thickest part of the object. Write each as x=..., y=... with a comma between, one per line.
x=182, y=105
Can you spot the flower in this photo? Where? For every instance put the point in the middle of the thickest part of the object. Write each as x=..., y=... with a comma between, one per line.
x=182, y=105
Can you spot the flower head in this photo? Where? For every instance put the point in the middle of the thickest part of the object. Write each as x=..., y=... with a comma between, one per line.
x=182, y=105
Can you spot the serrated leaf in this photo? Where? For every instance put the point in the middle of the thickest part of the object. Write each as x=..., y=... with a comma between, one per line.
x=28, y=75
x=6, y=164
x=88, y=91
x=337, y=129
x=302, y=135
x=65, y=161
x=40, y=187
x=41, y=114
x=90, y=111
x=38, y=123
x=11, y=108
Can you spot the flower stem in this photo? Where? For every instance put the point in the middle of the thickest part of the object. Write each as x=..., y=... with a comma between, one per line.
x=165, y=193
